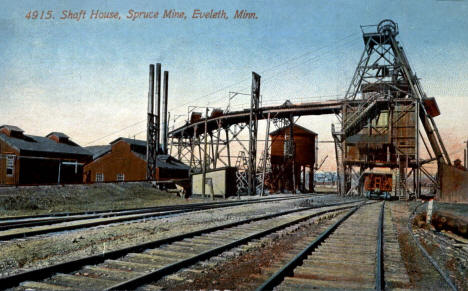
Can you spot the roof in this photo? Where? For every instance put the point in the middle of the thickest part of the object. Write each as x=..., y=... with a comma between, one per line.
x=11, y=128
x=169, y=162
x=58, y=134
x=39, y=144
x=131, y=141
x=99, y=150
x=296, y=126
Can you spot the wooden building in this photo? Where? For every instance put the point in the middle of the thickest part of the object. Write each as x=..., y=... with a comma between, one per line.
x=387, y=139
x=125, y=160
x=299, y=154
x=33, y=160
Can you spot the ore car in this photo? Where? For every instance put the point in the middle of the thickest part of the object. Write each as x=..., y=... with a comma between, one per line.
x=378, y=184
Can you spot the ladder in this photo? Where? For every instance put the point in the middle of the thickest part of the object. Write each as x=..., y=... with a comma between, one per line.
x=339, y=153
x=241, y=161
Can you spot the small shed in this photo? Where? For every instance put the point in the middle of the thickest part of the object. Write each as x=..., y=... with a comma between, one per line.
x=292, y=160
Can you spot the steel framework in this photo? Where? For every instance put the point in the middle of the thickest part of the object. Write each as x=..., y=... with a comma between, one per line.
x=379, y=118
x=387, y=89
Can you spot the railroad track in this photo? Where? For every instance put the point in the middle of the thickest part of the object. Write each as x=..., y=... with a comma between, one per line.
x=359, y=251
x=36, y=225
x=135, y=266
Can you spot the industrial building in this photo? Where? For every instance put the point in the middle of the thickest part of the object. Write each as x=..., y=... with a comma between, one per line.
x=298, y=153
x=32, y=160
x=385, y=120
x=125, y=160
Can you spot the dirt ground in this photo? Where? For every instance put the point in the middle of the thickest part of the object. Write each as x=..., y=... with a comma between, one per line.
x=75, y=198
x=446, y=252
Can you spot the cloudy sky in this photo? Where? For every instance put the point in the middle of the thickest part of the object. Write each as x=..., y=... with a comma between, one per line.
x=89, y=78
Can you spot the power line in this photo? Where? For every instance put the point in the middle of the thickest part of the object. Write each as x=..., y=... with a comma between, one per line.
x=313, y=59
x=117, y=131
x=273, y=68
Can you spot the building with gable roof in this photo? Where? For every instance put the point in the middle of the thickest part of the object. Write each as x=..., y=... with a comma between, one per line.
x=34, y=160
x=125, y=160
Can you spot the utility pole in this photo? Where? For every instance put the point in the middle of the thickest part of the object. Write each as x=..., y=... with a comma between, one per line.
x=204, y=155
x=253, y=127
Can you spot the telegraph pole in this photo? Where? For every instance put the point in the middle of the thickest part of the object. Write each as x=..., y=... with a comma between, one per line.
x=204, y=154
x=253, y=127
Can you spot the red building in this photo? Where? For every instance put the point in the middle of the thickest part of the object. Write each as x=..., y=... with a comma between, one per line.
x=125, y=160
x=32, y=160
x=298, y=153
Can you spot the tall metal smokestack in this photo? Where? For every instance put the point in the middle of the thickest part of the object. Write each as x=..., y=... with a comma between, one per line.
x=158, y=106
x=151, y=130
x=165, y=129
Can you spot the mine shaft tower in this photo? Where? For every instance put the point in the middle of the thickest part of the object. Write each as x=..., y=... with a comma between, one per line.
x=380, y=116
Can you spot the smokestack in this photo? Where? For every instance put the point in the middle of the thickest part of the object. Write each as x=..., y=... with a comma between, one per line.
x=150, y=113
x=165, y=96
x=158, y=106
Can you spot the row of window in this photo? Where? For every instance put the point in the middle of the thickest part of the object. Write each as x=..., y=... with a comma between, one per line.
x=100, y=177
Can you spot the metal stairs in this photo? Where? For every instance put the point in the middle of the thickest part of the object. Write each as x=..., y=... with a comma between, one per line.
x=365, y=112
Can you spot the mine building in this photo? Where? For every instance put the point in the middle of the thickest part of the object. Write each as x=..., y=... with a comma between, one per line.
x=34, y=160
x=298, y=153
x=125, y=160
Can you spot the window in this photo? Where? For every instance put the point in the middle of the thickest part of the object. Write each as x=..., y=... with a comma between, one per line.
x=99, y=177
x=10, y=165
x=382, y=120
x=120, y=177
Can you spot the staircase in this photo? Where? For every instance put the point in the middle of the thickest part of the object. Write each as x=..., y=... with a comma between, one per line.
x=358, y=119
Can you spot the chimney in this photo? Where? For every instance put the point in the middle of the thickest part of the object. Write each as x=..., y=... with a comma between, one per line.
x=58, y=137
x=150, y=114
x=11, y=130
x=164, y=116
x=158, y=106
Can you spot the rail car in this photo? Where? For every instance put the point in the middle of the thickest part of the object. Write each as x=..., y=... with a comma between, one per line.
x=378, y=184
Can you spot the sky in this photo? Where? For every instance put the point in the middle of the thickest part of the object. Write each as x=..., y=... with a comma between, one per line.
x=89, y=78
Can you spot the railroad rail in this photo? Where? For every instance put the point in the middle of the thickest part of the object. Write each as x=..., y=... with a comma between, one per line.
x=20, y=228
x=436, y=266
x=349, y=254
x=25, y=218
x=135, y=266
